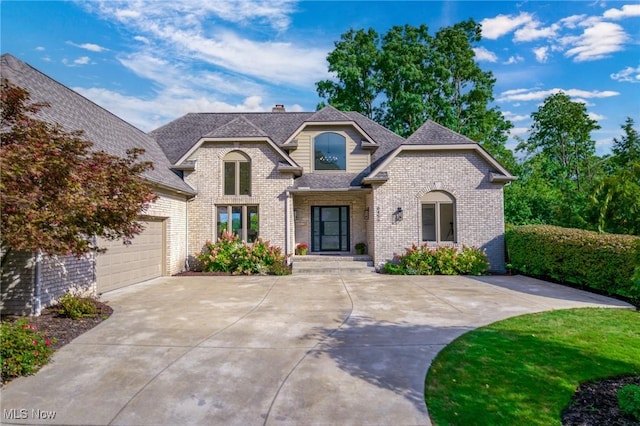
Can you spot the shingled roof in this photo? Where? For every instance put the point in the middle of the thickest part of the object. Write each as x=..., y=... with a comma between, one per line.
x=432, y=133
x=106, y=131
x=179, y=136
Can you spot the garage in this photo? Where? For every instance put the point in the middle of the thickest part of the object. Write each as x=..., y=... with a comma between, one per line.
x=126, y=264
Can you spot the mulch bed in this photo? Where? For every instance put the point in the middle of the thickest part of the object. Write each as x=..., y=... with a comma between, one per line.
x=596, y=403
x=64, y=329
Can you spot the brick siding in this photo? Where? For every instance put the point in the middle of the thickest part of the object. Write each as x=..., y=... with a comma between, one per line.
x=465, y=176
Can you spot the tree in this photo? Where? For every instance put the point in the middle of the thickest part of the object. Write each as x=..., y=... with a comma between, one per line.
x=404, y=79
x=561, y=131
x=354, y=63
x=56, y=193
x=409, y=76
x=615, y=201
x=626, y=150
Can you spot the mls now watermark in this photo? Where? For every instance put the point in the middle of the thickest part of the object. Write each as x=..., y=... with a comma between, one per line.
x=24, y=414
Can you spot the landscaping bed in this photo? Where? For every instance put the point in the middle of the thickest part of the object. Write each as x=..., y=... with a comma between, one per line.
x=59, y=329
x=596, y=403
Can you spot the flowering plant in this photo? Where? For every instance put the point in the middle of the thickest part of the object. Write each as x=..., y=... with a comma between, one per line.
x=24, y=349
x=302, y=248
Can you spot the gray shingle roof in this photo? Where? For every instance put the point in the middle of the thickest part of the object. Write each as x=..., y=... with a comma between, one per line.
x=328, y=181
x=237, y=128
x=327, y=114
x=106, y=131
x=432, y=133
x=179, y=136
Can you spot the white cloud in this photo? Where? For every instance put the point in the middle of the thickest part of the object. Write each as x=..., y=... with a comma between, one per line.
x=195, y=29
x=532, y=31
x=164, y=106
x=482, y=54
x=573, y=21
x=514, y=60
x=517, y=131
x=628, y=75
x=83, y=60
x=538, y=95
x=514, y=118
x=89, y=46
x=541, y=53
x=627, y=11
x=40, y=49
x=596, y=42
x=494, y=28
x=596, y=117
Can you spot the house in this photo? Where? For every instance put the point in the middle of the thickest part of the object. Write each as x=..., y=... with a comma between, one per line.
x=330, y=179
x=333, y=179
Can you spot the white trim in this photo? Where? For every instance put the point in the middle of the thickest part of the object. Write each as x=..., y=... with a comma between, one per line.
x=329, y=123
x=445, y=147
x=239, y=139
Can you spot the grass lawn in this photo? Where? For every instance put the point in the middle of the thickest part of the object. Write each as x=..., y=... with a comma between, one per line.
x=524, y=370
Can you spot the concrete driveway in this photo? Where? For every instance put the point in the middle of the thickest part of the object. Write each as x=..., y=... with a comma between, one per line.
x=295, y=350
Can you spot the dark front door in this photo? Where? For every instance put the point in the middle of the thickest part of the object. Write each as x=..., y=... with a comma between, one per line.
x=330, y=228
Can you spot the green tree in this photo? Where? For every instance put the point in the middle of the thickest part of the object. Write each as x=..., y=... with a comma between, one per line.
x=410, y=76
x=615, y=201
x=354, y=63
x=561, y=131
x=55, y=191
x=404, y=80
x=626, y=150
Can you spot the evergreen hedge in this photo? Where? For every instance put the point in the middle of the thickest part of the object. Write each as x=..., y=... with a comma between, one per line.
x=606, y=262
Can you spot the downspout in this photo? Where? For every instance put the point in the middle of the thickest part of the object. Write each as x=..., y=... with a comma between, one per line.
x=186, y=215
x=37, y=303
x=287, y=231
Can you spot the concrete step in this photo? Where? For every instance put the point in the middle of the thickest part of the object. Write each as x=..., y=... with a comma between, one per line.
x=332, y=265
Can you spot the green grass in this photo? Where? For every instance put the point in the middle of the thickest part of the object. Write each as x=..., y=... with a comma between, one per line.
x=524, y=370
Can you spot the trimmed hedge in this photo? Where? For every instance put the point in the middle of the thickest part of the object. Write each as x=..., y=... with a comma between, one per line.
x=605, y=262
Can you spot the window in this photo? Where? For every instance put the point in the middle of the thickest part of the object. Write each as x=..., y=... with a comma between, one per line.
x=438, y=217
x=330, y=152
x=237, y=174
x=239, y=220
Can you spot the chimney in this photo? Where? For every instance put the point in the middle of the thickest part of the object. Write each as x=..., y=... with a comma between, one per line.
x=278, y=108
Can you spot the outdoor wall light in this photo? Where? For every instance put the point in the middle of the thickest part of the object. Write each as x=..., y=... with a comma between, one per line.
x=397, y=215
x=366, y=213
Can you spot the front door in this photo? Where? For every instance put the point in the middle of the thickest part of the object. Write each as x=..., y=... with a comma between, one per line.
x=330, y=228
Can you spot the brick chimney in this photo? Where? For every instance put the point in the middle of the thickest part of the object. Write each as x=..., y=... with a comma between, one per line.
x=278, y=108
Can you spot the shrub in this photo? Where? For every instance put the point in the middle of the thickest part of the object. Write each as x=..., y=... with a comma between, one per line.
x=629, y=401
x=423, y=260
x=76, y=307
x=230, y=255
x=604, y=262
x=24, y=349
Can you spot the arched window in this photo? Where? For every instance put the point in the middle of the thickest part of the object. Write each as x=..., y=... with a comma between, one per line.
x=438, y=217
x=237, y=174
x=330, y=151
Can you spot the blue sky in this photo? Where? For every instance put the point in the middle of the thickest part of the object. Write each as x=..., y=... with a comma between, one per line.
x=152, y=61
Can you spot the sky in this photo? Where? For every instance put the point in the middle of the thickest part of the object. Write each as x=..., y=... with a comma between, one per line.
x=150, y=62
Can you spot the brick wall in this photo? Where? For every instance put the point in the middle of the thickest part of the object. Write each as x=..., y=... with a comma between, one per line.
x=268, y=192
x=357, y=224
x=58, y=275
x=464, y=175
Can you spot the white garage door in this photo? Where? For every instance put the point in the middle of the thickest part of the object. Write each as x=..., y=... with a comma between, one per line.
x=123, y=265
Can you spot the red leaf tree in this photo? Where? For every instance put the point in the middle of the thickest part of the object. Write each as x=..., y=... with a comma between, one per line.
x=56, y=193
